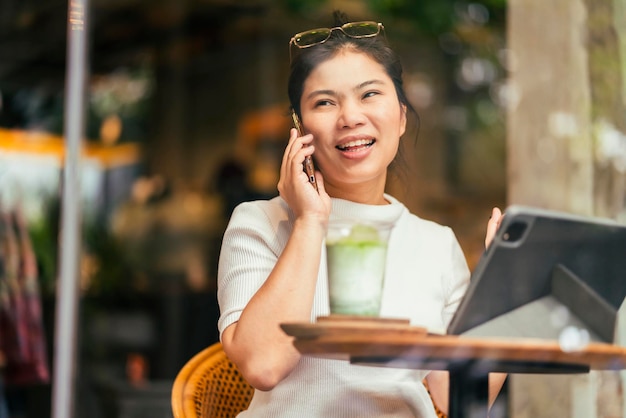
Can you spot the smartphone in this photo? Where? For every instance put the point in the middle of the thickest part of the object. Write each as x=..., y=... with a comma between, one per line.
x=308, y=166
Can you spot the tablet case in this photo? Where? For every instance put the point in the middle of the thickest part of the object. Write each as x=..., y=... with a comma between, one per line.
x=546, y=273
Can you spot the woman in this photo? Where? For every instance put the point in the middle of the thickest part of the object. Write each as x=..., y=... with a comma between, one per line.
x=346, y=86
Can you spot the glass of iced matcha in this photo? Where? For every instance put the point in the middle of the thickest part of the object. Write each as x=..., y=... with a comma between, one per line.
x=356, y=254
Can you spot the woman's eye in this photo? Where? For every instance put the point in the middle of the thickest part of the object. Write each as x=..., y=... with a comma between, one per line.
x=323, y=103
x=370, y=94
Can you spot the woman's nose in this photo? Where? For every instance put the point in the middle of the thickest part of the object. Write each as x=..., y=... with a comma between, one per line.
x=351, y=115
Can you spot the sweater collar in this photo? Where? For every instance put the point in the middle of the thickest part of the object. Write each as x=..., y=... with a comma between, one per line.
x=346, y=209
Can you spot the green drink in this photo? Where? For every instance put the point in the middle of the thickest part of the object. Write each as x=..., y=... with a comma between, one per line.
x=356, y=255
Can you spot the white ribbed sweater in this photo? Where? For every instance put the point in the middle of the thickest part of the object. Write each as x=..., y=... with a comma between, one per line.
x=425, y=279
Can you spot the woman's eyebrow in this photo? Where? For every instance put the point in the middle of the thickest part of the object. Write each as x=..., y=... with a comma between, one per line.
x=368, y=83
x=320, y=93
x=333, y=93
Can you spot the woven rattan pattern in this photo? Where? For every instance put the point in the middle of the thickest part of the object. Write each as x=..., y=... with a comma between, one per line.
x=224, y=393
x=210, y=386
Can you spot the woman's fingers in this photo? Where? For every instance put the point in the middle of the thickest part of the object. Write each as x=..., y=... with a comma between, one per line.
x=293, y=135
x=493, y=225
x=292, y=175
x=295, y=152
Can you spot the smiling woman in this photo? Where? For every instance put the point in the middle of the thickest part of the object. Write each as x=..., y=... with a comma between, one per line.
x=347, y=89
x=350, y=107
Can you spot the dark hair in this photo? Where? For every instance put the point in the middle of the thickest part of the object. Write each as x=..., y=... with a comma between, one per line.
x=304, y=61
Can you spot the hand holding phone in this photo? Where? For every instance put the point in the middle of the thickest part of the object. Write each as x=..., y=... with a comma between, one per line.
x=308, y=166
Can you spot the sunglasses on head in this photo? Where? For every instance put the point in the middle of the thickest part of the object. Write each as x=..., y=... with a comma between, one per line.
x=318, y=36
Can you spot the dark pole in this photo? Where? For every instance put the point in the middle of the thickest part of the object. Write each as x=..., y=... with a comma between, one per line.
x=70, y=236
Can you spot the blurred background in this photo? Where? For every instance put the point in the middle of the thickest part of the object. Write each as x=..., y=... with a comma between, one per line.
x=187, y=116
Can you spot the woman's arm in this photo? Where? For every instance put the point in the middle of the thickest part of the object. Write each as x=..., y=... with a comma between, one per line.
x=438, y=381
x=265, y=354
x=262, y=351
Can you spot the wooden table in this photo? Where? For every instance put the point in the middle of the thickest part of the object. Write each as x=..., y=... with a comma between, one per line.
x=469, y=360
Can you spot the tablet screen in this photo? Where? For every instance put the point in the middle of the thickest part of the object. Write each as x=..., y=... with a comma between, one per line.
x=580, y=261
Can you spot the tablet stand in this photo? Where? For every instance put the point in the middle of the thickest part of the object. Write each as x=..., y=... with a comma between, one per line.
x=570, y=302
x=592, y=308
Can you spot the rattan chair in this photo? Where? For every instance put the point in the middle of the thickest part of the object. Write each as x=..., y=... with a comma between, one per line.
x=210, y=386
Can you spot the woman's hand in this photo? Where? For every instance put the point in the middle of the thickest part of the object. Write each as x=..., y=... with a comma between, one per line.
x=263, y=352
x=294, y=186
x=493, y=225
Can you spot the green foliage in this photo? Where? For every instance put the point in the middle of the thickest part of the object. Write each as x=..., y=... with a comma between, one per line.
x=434, y=17
x=302, y=6
x=104, y=262
x=430, y=17
x=43, y=238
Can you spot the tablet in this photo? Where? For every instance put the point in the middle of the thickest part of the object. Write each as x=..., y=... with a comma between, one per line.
x=557, y=258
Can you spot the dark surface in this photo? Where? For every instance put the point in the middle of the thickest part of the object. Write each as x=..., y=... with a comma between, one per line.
x=519, y=265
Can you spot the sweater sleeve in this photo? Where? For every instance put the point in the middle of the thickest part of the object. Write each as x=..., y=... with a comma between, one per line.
x=251, y=244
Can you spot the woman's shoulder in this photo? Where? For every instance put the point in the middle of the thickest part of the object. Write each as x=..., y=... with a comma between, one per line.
x=274, y=205
x=270, y=211
x=269, y=221
x=427, y=226
x=429, y=223
x=415, y=220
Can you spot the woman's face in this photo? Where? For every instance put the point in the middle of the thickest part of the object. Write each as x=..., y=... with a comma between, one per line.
x=350, y=105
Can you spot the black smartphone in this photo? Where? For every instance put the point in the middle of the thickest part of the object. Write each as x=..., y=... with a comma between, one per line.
x=308, y=166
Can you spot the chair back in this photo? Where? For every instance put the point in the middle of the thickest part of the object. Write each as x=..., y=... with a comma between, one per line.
x=210, y=386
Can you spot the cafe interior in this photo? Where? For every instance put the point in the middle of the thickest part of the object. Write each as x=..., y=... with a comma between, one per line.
x=185, y=116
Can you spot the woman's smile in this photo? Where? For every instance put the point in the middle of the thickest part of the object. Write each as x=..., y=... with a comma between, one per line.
x=350, y=105
x=355, y=145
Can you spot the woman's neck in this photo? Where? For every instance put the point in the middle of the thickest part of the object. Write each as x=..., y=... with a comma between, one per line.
x=368, y=194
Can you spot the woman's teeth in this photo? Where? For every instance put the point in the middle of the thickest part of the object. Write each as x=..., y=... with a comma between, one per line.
x=355, y=144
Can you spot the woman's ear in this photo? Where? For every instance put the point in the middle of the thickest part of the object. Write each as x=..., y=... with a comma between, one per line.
x=403, y=110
